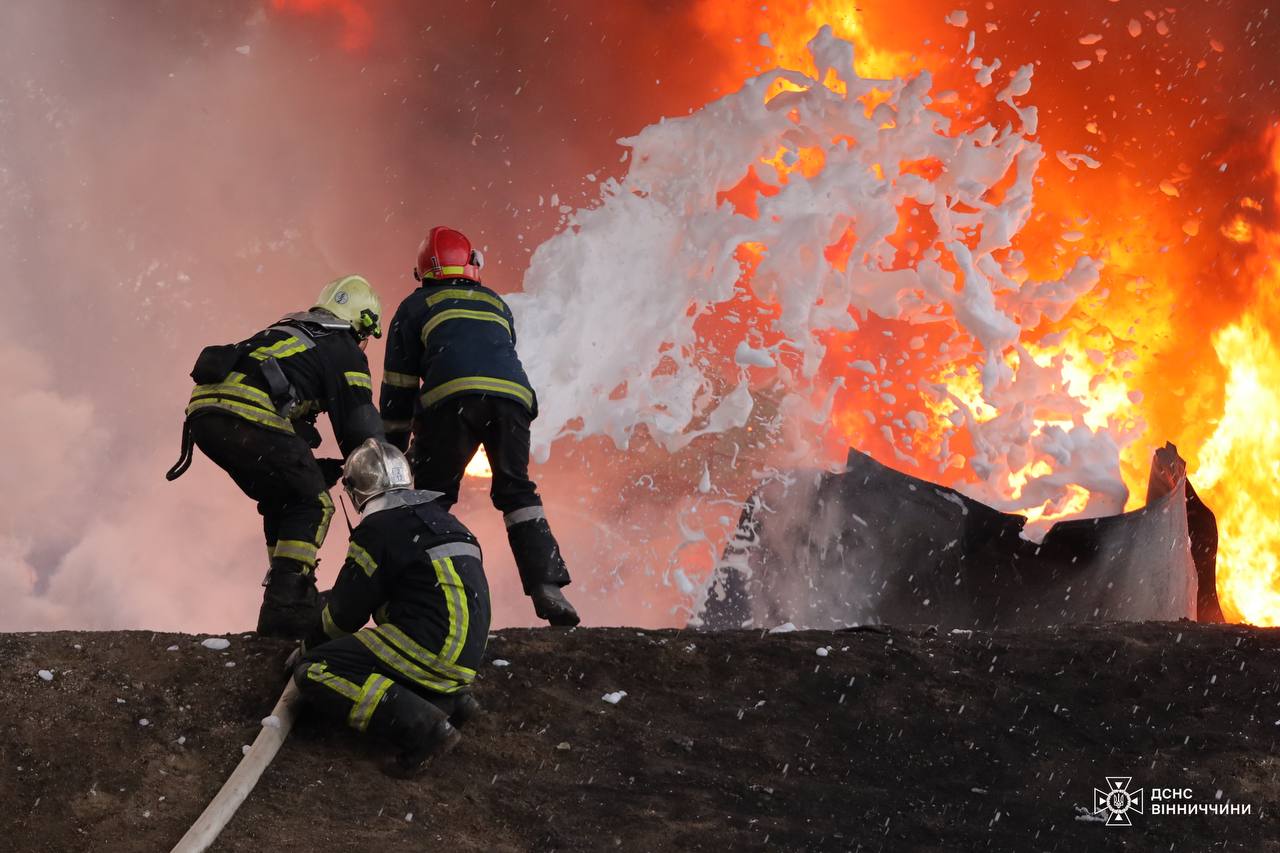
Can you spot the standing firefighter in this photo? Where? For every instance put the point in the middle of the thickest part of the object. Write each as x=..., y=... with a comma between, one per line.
x=453, y=377
x=415, y=569
x=253, y=413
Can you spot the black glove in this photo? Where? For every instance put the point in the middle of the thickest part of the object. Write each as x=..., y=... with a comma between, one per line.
x=306, y=430
x=331, y=470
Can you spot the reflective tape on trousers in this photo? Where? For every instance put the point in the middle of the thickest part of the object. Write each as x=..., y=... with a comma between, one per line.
x=519, y=516
x=454, y=549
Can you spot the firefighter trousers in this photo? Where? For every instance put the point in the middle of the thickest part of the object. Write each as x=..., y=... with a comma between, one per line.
x=343, y=679
x=278, y=471
x=446, y=436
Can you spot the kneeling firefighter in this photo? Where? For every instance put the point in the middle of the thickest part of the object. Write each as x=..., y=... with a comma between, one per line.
x=417, y=571
x=253, y=413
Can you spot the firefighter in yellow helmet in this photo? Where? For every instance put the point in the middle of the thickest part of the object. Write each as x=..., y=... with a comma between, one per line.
x=253, y=413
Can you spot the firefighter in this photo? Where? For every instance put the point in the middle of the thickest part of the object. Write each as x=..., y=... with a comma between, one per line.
x=253, y=413
x=416, y=570
x=453, y=378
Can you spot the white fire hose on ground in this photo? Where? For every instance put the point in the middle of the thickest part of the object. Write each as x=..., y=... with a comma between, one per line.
x=241, y=781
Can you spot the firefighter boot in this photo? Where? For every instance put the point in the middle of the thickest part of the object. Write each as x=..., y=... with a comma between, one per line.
x=542, y=570
x=290, y=604
x=417, y=727
x=465, y=708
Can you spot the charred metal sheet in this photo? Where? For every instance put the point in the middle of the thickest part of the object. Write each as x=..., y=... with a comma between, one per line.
x=872, y=545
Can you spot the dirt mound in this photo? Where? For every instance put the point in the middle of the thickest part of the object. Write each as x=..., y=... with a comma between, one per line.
x=870, y=739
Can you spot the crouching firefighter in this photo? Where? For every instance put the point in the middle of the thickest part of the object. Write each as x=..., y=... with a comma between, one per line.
x=253, y=413
x=416, y=570
x=454, y=378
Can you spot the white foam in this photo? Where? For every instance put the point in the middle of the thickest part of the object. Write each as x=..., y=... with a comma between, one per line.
x=610, y=303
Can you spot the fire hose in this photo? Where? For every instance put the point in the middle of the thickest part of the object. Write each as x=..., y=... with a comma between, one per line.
x=242, y=780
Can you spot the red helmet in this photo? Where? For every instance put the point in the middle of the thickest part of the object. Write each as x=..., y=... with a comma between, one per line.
x=446, y=253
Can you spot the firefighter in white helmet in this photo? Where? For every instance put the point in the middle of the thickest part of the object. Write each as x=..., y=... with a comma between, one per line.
x=253, y=413
x=416, y=570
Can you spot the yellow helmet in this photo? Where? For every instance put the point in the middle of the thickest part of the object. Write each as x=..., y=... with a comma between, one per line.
x=351, y=298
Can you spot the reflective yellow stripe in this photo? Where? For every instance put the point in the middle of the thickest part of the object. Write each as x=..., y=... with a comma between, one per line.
x=326, y=515
x=357, y=379
x=396, y=426
x=331, y=629
x=361, y=558
x=293, y=549
x=244, y=410
x=463, y=314
x=459, y=614
x=487, y=384
x=415, y=652
x=442, y=272
x=234, y=396
x=280, y=349
x=399, y=380
x=375, y=687
x=233, y=386
x=462, y=293
x=319, y=672
x=404, y=666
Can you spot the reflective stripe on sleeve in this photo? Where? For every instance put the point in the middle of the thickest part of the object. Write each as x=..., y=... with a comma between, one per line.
x=331, y=629
x=356, y=379
x=326, y=516
x=519, y=516
x=400, y=380
x=361, y=558
x=294, y=549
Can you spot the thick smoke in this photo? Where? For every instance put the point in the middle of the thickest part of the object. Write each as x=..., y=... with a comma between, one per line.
x=176, y=174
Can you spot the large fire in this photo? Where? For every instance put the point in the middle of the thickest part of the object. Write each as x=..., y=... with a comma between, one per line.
x=1144, y=368
x=1179, y=341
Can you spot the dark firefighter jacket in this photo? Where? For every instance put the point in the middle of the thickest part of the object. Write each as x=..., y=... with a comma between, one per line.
x=416, y=570
x=282, y=377
x=449, y=338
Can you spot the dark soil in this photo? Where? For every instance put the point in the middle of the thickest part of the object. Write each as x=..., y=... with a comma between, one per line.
x=896, y=740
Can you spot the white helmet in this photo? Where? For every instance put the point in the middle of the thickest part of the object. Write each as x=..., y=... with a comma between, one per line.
x=375, y=468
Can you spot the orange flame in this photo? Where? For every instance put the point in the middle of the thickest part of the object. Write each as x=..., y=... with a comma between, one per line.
x=1152, y=351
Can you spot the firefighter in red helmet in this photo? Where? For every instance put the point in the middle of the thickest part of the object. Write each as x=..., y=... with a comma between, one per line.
x=454, y=381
